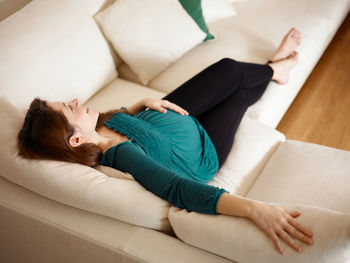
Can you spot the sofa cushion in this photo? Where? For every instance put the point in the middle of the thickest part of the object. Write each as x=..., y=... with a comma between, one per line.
x=217, y=9
x=149, y=45
x=77, y=185
x=307, y=173
x=55, y=50
x=239, y=239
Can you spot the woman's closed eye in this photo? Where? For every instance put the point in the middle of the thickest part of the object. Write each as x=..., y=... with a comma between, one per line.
x=68, y=107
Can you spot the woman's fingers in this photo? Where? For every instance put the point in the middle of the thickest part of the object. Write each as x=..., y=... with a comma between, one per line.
x=277, y=242
x=294, y=214
x=289, y=240
x=174, y=107
x=280, y=224
x=163, y=105
x=300, y=227
x=297, y=234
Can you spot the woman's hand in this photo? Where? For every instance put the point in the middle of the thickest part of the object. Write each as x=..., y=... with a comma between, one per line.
x=162, y=105
x=279, y=224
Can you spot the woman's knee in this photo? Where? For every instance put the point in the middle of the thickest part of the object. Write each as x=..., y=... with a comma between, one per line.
x=228, y=61
x=229, y=64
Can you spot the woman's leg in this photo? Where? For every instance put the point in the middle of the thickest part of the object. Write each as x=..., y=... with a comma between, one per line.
x=221, y=122
x=216, y=83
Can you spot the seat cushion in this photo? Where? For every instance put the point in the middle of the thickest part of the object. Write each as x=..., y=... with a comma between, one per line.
x=59, y=59
x=305, y=173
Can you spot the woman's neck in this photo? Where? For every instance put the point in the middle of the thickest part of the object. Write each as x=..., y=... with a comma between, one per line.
x=105, y=142
x=107, y=138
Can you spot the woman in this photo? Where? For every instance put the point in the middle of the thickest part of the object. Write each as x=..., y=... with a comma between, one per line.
x=173, y=153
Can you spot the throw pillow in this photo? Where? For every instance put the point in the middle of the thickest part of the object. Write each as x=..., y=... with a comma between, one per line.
x=149, y=35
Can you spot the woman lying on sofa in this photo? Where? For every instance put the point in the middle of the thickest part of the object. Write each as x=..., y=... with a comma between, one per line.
x=170, y=151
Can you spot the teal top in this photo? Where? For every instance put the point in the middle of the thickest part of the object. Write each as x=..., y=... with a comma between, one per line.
x=170, y=154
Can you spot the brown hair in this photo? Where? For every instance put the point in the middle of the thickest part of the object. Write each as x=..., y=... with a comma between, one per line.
x=45, y=135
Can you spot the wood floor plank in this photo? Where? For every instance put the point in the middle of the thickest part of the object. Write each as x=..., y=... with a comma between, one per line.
x=321, y=111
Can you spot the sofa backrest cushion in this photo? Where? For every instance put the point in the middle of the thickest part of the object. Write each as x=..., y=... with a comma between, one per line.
x=78, y=185
x=55, y=50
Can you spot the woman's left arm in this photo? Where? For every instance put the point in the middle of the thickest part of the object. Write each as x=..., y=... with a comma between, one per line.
x=155, y=104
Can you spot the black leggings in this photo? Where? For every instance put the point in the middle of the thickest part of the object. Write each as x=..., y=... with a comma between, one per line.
x=219, y=96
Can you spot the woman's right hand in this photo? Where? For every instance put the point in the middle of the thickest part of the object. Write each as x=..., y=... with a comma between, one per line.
x=279, y=224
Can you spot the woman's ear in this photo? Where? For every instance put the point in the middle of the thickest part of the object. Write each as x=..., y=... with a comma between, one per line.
x=75, y=140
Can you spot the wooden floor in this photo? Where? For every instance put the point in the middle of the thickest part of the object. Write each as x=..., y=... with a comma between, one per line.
x=321, y=111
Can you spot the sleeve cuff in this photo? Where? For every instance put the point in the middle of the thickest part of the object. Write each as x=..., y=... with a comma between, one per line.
x=217, y=197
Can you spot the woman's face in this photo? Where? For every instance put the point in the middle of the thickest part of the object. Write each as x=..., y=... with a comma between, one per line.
x=82, y=119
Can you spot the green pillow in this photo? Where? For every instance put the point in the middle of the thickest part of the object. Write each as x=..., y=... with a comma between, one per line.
x=194, y=9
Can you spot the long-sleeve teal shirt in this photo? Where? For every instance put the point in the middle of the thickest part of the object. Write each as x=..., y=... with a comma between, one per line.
x=170, y=155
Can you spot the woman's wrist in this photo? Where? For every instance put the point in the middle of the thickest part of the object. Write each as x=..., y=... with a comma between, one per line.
x=137, y=107
x=254, y=209
x=235, y=205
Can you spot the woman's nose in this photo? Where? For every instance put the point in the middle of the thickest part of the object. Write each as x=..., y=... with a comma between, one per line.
x=76, y=102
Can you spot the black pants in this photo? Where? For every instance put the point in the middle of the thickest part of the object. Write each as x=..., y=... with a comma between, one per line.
x=219, y=96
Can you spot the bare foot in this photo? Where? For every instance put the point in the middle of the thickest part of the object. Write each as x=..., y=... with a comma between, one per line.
x=289, y=44
x=282, y=67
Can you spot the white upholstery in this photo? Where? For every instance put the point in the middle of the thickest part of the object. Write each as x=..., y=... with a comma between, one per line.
x=59, y=59
x=305, y=173
x=95, y=6
x=217, y=9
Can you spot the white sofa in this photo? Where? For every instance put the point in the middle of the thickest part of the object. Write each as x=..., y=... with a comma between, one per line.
x=57, y=212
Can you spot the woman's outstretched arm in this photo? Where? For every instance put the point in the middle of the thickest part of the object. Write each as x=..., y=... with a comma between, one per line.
x=273, y=220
